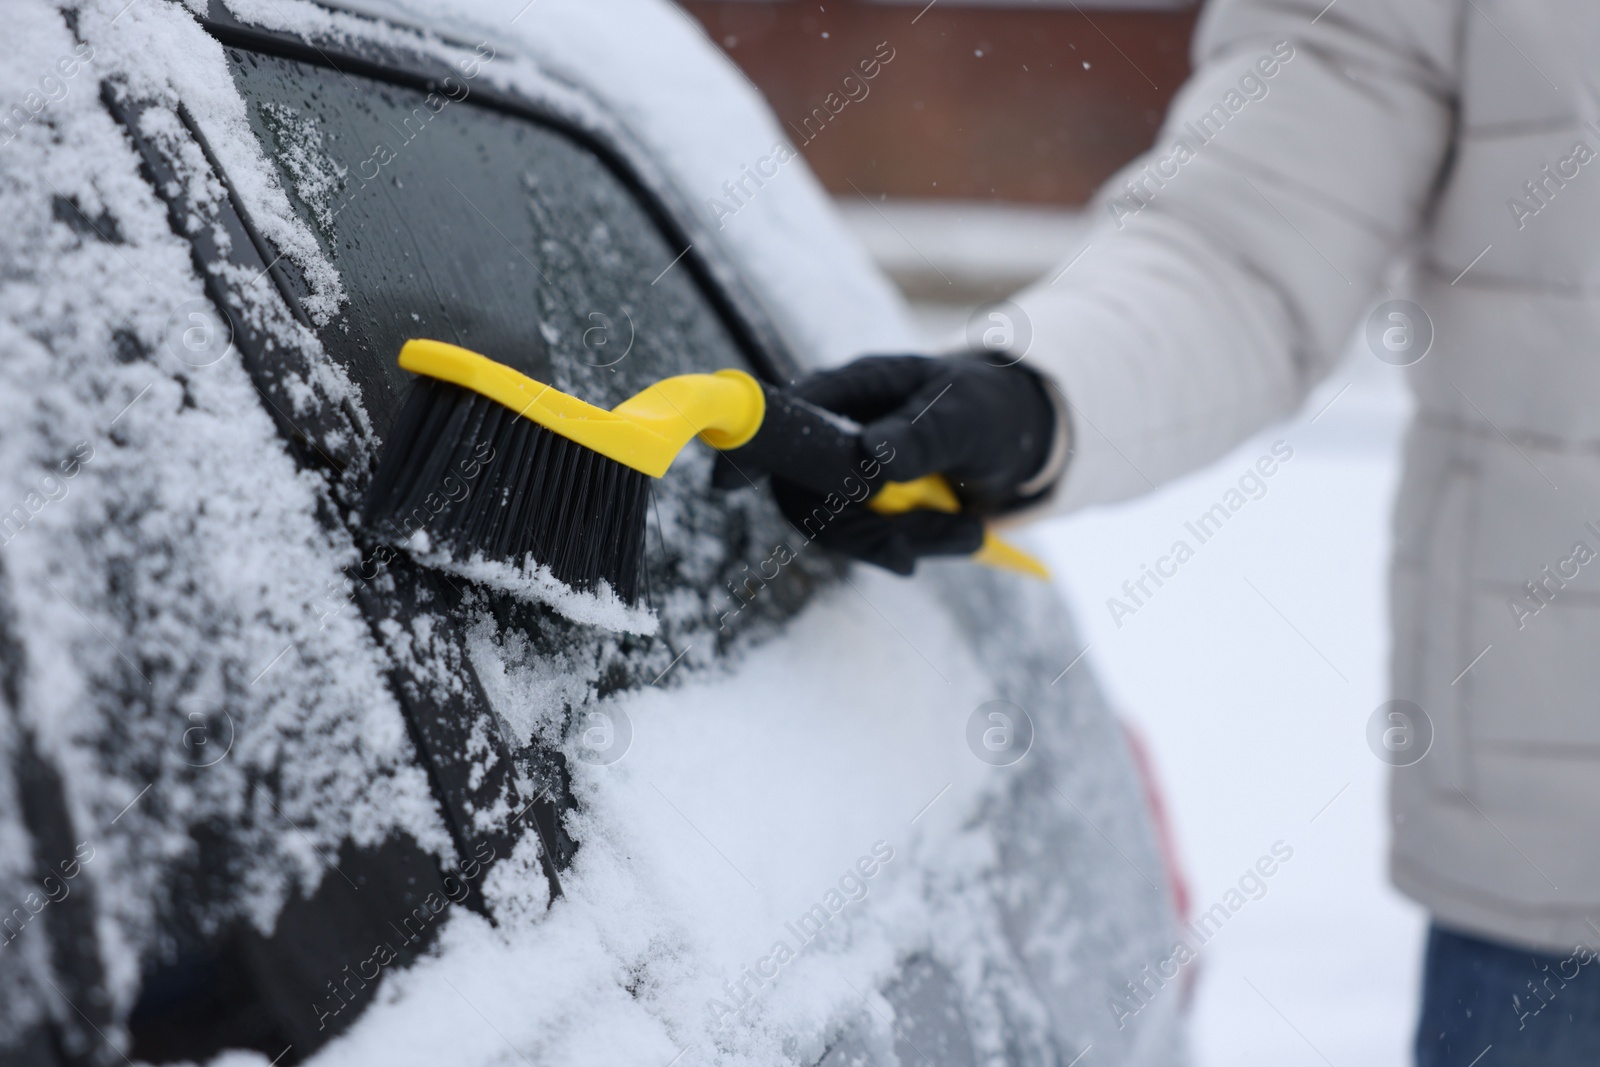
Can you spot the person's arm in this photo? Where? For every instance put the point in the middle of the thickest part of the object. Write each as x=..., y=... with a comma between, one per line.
x=1227, y=269
x=1223, y=283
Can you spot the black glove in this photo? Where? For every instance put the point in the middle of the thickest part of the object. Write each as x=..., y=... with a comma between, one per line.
x=989, y=430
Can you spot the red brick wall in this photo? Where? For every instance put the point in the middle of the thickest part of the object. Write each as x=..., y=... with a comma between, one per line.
x=1027, y=104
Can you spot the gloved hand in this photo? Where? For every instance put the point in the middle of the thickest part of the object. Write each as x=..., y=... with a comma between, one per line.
x=990, y=430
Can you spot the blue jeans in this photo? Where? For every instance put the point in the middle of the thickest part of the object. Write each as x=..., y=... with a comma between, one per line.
x=1512, y=1007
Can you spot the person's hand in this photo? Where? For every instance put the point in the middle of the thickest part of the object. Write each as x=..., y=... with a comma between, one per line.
x=991, y=431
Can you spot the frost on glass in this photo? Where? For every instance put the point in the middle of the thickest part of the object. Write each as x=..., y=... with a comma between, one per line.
x=297, y=143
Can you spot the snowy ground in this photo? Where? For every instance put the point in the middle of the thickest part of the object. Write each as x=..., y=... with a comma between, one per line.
x=1251, y=674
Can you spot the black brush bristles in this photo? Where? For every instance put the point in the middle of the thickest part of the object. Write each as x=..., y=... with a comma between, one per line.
x=478, y=479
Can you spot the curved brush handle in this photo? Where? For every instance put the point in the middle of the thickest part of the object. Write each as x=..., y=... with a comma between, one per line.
x=821, y=451
x=934, y=493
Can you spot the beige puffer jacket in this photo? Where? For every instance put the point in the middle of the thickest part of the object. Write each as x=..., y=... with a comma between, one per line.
x=1318, y=145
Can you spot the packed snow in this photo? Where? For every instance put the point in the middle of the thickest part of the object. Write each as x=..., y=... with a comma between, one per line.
x=532, y=581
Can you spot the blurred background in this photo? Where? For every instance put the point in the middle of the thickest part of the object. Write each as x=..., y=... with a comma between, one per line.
x=964, y=171
x=966, y=166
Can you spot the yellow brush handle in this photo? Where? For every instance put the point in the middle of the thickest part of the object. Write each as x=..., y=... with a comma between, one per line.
x=931, y=492
x=645, y=432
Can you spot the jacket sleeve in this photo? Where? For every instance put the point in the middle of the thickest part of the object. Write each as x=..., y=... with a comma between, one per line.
x=1229, y=264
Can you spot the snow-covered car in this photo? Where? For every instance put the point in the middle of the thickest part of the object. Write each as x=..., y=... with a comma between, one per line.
x=273, y=790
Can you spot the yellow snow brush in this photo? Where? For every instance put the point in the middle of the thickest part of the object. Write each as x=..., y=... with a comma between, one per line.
x=485, y=462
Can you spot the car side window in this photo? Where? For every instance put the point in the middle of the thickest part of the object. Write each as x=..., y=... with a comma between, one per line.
x=458, y=222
